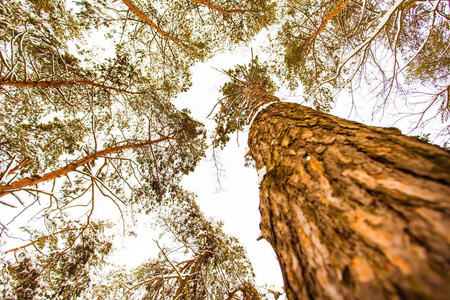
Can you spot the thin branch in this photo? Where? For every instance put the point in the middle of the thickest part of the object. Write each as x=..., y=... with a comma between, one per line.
x=146, y=19
x=20, y=165
x=7, y=204
x=63, y=83
x=364, y=45
x=148, y=281
x=39, y=239
x=170, y=262
x=34, y=180
x=8, y=169
x=341, y=6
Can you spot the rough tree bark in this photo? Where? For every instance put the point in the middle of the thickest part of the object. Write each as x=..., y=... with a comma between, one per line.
x=352, y=211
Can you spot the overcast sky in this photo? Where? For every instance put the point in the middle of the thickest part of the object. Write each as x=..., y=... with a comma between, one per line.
x=237, y=204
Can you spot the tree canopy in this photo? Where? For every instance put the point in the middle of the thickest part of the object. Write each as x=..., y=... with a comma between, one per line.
x=78, y=124
x=385, y=49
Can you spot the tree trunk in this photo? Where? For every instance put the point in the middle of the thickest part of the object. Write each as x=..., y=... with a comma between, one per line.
x=352, y=211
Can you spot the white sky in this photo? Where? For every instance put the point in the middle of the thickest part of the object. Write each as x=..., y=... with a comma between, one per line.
x=237, y=205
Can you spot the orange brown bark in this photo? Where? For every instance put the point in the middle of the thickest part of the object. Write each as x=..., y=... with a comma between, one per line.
x=341, y=6
x=352, y=211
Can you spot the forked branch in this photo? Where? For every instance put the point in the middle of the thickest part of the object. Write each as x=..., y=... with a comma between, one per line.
x=366, y=43
x=341, y=6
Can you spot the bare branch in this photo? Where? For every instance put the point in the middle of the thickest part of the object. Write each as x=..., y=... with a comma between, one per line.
x=34, y=180
x=63, y=83
x=146, y=19
x=364, y=45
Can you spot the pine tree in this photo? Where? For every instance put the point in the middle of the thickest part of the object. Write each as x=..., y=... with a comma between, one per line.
x=77, y=127
x=352, y=211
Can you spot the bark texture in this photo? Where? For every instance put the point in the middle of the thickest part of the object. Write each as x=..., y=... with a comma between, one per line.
x=352, y=211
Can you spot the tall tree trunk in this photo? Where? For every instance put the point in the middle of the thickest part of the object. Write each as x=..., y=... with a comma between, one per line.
x=352, y=211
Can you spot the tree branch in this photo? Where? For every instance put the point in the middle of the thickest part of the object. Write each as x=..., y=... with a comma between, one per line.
x=141, y=15
x=34, y=180
x=63, y=83
x=39, y=239
x=366, y=43
x=341, y=6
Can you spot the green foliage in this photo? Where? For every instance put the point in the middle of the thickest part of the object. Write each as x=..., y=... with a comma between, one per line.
x=112, y=120
x=57, y=108
x=202, y=262
x=183, y=32
x=62, y=267
x=238, y=104
x=310, y=54
x=327, y=46
x=109, y=120
x=91, y=106
x=430, y=65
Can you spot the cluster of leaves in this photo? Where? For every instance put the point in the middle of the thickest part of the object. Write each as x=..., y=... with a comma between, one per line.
x=32, y=48
x=57, y=109
x=201, y=261
x=241, y=98
x=331, y=45
x=96, y=127
x=61, y=267
x=56, y=113
x=165, y=38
